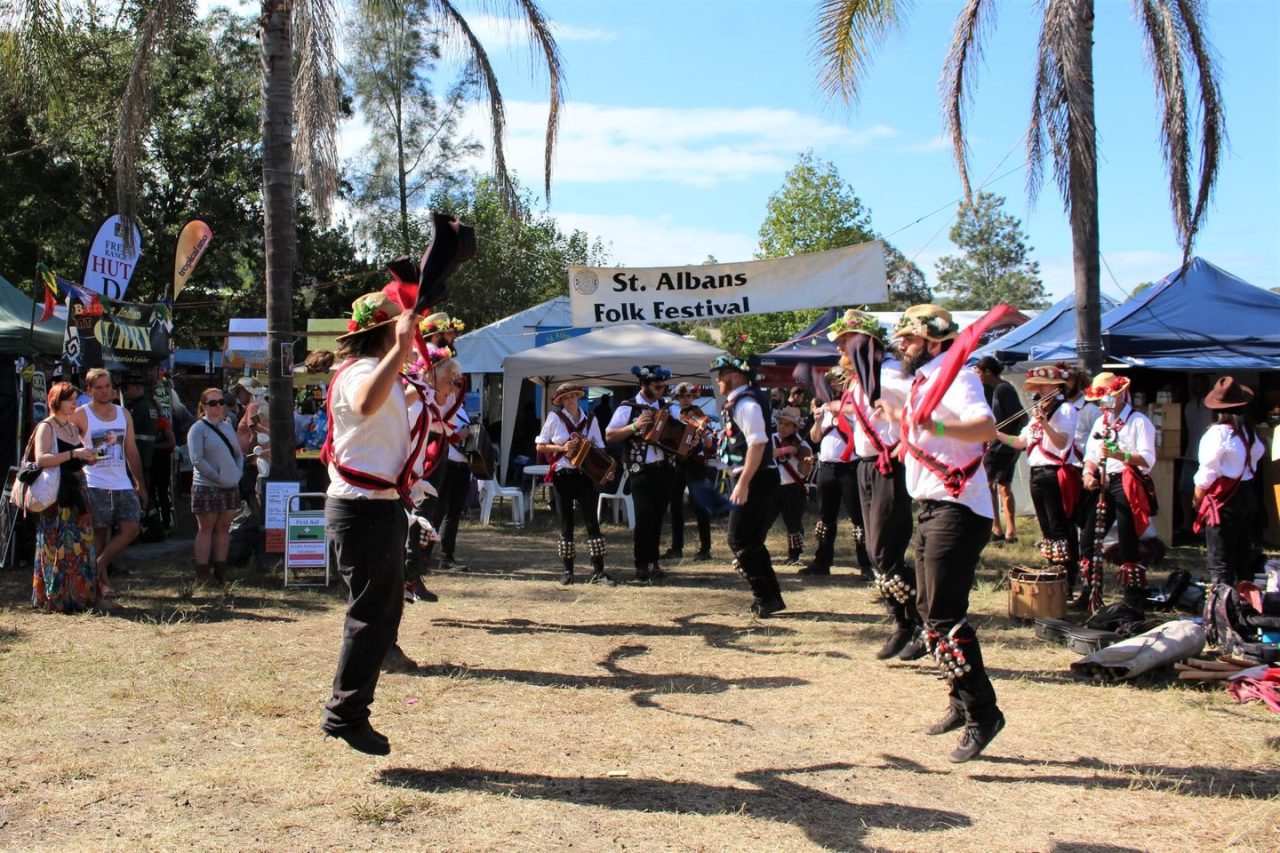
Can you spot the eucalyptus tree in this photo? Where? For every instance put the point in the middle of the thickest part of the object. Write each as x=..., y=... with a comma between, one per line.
x=1062, y=127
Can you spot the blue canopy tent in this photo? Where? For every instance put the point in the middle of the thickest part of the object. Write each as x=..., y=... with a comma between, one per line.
x=1053, y=324
x=1198, y=318
x=809, y=347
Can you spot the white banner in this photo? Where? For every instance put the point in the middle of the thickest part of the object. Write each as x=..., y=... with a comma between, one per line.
x=854, y=275
x=109, y=267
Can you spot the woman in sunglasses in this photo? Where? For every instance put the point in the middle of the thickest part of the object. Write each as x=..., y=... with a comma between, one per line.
x=215, y=489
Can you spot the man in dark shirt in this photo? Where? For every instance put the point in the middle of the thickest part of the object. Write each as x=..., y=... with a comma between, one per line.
x=1000, y=460
x=145, y=414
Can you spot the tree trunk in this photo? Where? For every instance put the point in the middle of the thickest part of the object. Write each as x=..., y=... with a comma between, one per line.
x=279, y=235
x=1083, y=191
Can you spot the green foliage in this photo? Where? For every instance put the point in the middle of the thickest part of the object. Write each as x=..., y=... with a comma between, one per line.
x=996, y=264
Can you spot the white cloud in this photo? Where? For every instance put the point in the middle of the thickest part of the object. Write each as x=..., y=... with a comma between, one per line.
x=941, y=142
x=512, y=33
x=634, y=241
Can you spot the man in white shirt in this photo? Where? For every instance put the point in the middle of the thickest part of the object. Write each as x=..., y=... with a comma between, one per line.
x=945, y=424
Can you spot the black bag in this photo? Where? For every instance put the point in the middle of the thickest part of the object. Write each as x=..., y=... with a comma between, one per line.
x=28, y=473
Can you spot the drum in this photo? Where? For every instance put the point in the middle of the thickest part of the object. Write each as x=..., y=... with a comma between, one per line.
x=672, y=434
x=1037, y=593
x=592, y=461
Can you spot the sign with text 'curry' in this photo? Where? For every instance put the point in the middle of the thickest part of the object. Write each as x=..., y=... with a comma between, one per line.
x=115, y=335
x=601, y=296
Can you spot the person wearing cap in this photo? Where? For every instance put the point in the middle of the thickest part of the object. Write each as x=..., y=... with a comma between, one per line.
x=748, y=444
x=1117, y=462
x=650, y=471
x=1055, y=485
x=789, y=499
x=882, y=490
x=367, y=455
x=945, y=423
x=690, y=472
x=1225, y=498
x=560, y=431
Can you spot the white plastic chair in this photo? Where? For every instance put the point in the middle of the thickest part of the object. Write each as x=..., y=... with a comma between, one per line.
x=489, y=490
x=621, y=500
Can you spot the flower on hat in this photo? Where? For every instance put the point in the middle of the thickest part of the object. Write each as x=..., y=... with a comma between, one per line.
x=856, y=323
x=926, y=321
x=730, y=362
x=368, y=311
x=457, y=325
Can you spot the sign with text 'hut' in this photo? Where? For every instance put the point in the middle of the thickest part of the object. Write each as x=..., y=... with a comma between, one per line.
x=853, y=275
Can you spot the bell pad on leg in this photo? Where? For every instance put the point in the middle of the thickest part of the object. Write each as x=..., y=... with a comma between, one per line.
x=948, y=650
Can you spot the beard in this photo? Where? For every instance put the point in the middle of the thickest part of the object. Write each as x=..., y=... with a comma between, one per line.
x=913, y=363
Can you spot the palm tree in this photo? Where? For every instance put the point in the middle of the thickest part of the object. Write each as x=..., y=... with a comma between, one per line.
x=1062, y=114
x=29, y=50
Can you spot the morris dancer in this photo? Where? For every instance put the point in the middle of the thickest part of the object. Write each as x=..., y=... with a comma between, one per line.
x=369, y=456
x=690, y=471
x=561, y=430
x=1117, y=458
x=1225, y=498
x=882, y=488
x=788, y=451
x=650, y=470
x=943, y=463
x=1087, y=412
x=1055, y=483
x=747, y=435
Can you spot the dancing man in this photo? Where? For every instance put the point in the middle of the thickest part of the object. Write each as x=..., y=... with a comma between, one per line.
x=690, y=471
x=650, y=472
x=944, y=424
x=560, y=433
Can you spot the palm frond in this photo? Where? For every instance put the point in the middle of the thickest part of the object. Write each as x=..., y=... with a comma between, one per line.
x=1163, y=49
x=540, y=33
x=1062, y=124
x=847, y=34
x=315, y=94
x=1213, y=133
x=31, y=52
x=959, y=76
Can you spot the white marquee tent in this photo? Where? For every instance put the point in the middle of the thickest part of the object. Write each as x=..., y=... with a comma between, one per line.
x=602, y=357
x=482, y=350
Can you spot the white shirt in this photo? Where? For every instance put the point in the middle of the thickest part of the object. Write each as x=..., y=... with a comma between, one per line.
x=1064, y=420
x=831, y=448
x=460, y=420
x=887, y=431
x=622, y=417
x=791, y=461
x=749, y=419
x=963, y=401
x=1135, y=435
x=1222, y=455
x=554, y=431
x=1086, y=414
x=375, y=444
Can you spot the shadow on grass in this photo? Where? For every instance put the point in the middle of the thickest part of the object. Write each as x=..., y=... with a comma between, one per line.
x=1086, y=847
x=1195, y=781
x=767, y=794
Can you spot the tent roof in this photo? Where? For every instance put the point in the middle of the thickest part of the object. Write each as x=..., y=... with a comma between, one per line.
x=483, y=350
x=606, y=356
x=1054, y=323
x=16, y=313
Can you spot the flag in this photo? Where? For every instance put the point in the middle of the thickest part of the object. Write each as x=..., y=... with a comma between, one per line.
x=192, y=242
x=50, y=282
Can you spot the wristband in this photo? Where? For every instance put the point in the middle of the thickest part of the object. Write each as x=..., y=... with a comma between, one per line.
x=1126, y=456
x=938, y=428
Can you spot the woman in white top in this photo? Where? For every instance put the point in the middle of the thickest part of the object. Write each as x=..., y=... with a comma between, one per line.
x=561, y=432
x=1225, y=499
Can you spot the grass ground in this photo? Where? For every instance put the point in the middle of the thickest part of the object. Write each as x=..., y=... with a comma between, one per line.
x=552, y=718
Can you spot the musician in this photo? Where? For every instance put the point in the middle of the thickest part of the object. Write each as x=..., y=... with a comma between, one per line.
x=794, y=457
x=456, y=485
x=748, y=438
x=1087, y=412
x=1117, y=462
x=650, y=470
x=368, y=454
x=435, y=328
x=833, y=434
x=1055, y=483
x=1225, y=499
x=560, y=431
x=882, y=488
x=690, y=471
x=945, y=423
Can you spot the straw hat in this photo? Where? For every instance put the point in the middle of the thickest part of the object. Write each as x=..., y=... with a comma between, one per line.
x=1227, y=393
x=370, y=312
x=856, y=323
x=790, y=414
x=684, y=388
x=566, y=390
x=434, y=323
x=926, y=321
x=1106, y=383
x=1056, y=374
x=248, y=383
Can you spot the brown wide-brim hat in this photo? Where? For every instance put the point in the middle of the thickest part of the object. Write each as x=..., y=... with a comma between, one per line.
x=369, y=312
x=566, y=390
x=1227, y=393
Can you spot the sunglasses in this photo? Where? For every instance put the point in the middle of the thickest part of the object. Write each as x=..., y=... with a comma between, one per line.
x=217, y=402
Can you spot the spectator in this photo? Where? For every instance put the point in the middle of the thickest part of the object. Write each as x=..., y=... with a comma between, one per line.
x=1000, y=460
x=215, y=494
x=1198, y=418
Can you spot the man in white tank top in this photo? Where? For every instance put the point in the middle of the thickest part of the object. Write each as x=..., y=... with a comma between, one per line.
x=115, y=500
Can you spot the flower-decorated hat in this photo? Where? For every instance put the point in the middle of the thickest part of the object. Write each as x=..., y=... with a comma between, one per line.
x=434, y=324
x=650, y=373
x=370, y=312
x=926, y=321
x=731, y=362
x=684, y=388
x=568, y=389
x=856, y=322
x=1106, y=383
x=456, y=325
x=1047, y=374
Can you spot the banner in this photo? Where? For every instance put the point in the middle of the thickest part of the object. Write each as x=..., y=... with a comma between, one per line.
x=850, y=276
x=192, y=242
x=109, y=267
x=115, y=335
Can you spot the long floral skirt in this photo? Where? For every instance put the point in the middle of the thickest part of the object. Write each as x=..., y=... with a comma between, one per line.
x=66, y=570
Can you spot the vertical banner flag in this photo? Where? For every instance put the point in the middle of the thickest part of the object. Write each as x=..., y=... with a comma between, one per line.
x=192, y=242
x=109, y=267
x=601, y=296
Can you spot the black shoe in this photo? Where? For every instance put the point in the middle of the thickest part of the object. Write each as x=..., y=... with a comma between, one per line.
x=601, y=579
x=897, y=641
x=703, y=555
x=764, y=609
x=913, y=650
x=1080, y=603
x=397, y=661
x=642, y=574
x=975, y=739
x=673, y=554
x=656, y=572
x=363, y=739
x=566, y=579
x=952, y=720
x=815, y=569
x=449, y=564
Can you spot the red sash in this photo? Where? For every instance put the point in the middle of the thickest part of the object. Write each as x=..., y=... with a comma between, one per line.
x=842, y=425
x=579, y=430
x=1139, y=501
x=953, y=478
x=1218, y=496
x=1070, y=481
x=786, y=466
x=884, y=455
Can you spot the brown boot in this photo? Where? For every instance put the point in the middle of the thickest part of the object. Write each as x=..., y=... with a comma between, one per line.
x=220, y=572
x=203, y=575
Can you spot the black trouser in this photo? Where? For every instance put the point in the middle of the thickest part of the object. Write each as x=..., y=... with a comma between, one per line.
x=572, y=486
x=1055, y=524
x=650, y=492
x=158, y=479
x=453, y=500
x=789, y=501
x=368, y=545
x=1117, y=512
x=886, y=514
x=949, y=539
x=1229, y=544
x=688, y=473
x=837, y=486
x=747, y=532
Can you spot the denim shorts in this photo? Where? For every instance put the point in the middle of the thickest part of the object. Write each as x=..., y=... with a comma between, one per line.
x=114, y=506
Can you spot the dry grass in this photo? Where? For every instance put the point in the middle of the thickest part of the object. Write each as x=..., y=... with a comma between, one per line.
x=586, y=718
